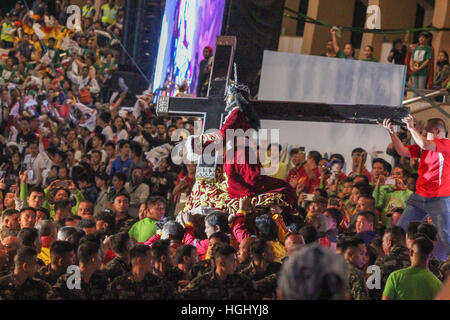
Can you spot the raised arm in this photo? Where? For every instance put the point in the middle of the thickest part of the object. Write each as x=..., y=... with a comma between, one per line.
x=401, y=149
x=335, y=43
x=420, y=140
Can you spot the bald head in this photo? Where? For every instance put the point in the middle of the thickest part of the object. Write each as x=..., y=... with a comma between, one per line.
x=244, y=250
x=293, y=242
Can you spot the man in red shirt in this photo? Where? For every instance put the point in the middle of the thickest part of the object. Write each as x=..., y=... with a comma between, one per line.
x=433, y=184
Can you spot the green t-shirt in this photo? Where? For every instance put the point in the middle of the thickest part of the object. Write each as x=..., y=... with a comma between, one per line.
x=412, y=284
x=419, y=56
x=371, y=60
x=143, y=230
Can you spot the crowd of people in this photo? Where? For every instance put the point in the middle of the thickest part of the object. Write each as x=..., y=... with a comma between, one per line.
x=418, y=57
x=86, y=182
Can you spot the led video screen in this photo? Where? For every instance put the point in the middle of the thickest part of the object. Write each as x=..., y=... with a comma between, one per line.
x=187, y=27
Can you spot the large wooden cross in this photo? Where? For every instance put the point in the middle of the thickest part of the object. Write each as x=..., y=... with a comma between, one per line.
x=212, y=107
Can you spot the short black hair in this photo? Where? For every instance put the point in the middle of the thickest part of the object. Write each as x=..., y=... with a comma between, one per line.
x=121, y=176
x=424, y=246
x=122, y=143
x=429, y=230
x=59, y=248
x=397, y=235
x=140, y=250
x=160, y=248
x=107, y=216
x=86, y=250
x=24, y=254
x=121, y=194
x=28, y=236
x=315, y=155
x=363, y=187
x=338, y=156
x=27, y=209
x=267, y=227
x=183, y=251
x=218, y=218
x=358, y=150
x=101, y=137
x=379, y=160
x=118, y=242
x=62, y=204
x=47, y=213
x=335, y=214
x=351, y=242
x=9, y=213
x=412, y=228
x=222, y=236
x=309, y=233
x=86, y=223
x=257, y=248
x=223, y=251
x=37, y=190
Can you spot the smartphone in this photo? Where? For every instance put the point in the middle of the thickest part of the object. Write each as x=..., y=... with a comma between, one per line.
x=61, y=184
x=391, y=181
x=2, y=174
x=334, y=202
x=308, y=197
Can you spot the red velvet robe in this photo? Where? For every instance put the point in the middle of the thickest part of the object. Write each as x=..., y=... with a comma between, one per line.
x=245, y=179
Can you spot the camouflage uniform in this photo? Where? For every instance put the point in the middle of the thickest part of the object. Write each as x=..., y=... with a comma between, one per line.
x=434, y=265
x=94, y=290
x=199, y=269
x=115, y=268
x=173, y=275
x=397, y=259
x=125, y=224
x=357, y=284
x=208, y=286
x=253, y=274
x=267, y=286
x=31, y=289
x=150, y=288
x=7, y=232
x=48, y=275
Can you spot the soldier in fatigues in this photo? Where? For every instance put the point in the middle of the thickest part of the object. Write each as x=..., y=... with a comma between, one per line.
x=163, y=263
x=223, y=283
x=21, y=285
x=397, y=257
x=62, y=256
x=140, y=283
x=355, y=252
x=121, y=244
x=262, y=264
x=357, y=284
x=93, y=283
x=124, y=222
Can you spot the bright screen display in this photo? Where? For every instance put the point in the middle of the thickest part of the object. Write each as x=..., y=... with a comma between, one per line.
x=187, y=27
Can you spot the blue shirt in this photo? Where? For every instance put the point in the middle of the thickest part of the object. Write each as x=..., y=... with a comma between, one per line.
x=121, y=166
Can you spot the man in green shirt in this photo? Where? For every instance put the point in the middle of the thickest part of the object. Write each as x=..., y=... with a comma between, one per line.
x=415, y=282
x=150, y=213
x=420, y=59
x=389, y=196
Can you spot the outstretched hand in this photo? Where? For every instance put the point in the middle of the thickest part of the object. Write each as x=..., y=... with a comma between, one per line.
x=387, y=124
x=409, y=120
